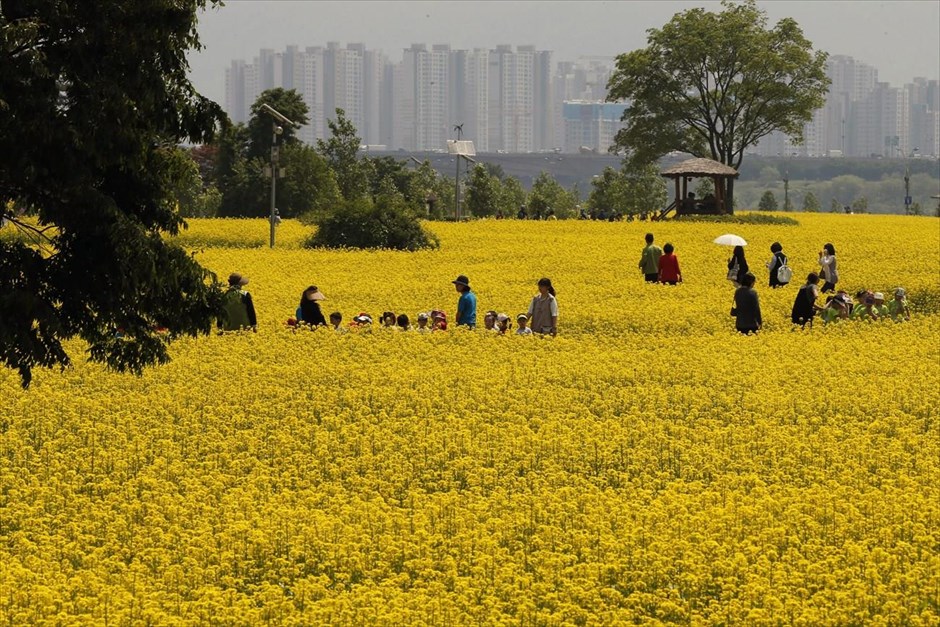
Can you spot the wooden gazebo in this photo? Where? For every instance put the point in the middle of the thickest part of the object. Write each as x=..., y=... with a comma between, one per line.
x=682, y=173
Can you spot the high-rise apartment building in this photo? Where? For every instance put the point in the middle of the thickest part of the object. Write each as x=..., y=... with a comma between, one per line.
x=307, y=77
x=512, y=99
x=591, y=125
x=343, y=86
x=421, y=99
x=470, y=104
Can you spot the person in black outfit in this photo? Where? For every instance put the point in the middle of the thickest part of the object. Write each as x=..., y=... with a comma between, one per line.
x=310, y=307
x=779, y=259
x=746, y=306
x=738, y=261
x=804, y=305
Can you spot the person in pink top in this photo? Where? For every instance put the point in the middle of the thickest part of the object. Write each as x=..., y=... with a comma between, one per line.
x=669, y=272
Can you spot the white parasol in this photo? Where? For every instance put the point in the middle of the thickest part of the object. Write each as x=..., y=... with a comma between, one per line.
x=729, y=239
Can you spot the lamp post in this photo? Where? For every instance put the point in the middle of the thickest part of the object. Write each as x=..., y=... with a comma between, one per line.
x=276, y=130
x=908, y=201
x=459, y=148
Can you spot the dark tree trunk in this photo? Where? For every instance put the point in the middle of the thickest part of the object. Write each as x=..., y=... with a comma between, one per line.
x=729, y=197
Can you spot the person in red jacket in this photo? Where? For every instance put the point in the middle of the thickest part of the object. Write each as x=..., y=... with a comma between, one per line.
x=669, y=266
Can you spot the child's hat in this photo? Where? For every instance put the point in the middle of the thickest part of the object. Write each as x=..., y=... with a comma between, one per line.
x=502, y=317
x=423, y=315
x=900, y=292
x=522, y=317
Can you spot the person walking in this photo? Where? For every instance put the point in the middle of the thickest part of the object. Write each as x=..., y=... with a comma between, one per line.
x=746, y=309
x=649, y=260
x=777, y=261
x=737, y=266
x=466, y=304
x=669, y=272
x=829, y=271
x=238, y=308
x=543, y=310
x=309, y=309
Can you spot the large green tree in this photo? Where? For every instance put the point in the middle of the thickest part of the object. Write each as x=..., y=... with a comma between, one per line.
x=548, y=195
x=261, y=124
x=94, y=96
x=341, y=149
x=483, y=192
x=712, y=84
x=630, y=190
x=308, y=187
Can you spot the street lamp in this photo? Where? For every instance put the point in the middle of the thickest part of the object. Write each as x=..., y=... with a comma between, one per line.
x=277, y=129
x=460, y=148
x=908, y=201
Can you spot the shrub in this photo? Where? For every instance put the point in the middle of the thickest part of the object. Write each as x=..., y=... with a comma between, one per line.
x=362, y=223
x=741, y=218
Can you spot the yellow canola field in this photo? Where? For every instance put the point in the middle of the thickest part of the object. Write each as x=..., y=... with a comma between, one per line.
x=648, y=465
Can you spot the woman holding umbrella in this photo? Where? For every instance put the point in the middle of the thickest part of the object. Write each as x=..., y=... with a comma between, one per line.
x=737, y=266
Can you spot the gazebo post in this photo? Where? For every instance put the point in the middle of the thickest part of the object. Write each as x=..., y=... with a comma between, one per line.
x=678, y=196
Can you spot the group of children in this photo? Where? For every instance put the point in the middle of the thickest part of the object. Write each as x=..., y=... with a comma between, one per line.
x=542, y=311
x=867, y=305
x=425, y=322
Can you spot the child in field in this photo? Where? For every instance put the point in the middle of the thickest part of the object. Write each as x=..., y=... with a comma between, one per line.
x=389, y=319
x=502, y=323
x=522, y=320
x=897, y=308
x=404, y=324
x=879, y=306
x=336, y=320
x=423, y=323
x=439, y=319
x=362, y=320
x=865, y=306
x=837, y=308
x=489, y=321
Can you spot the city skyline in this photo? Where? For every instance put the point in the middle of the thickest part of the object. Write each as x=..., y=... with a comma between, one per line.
x=899, y=38
x=519, y=100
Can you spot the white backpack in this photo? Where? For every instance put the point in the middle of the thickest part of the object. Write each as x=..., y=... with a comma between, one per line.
x=784, y=272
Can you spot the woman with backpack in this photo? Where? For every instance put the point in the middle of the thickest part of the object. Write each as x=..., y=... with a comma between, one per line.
x=780, y=272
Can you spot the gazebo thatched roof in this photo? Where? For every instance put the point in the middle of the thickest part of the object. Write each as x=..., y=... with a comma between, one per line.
x=699, y=167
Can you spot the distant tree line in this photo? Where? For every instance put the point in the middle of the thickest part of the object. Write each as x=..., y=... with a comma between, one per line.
x=231, y=178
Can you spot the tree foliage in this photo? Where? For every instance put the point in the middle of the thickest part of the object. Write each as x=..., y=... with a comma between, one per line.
x=483, y=192
x=385, y=222
x=308, y=187
x=810, y=203
x=768, y=202
x=548, y=195
x=261, y=124
x=93, y=98
x=631, y=190
x=712, y=84
x=341, y=151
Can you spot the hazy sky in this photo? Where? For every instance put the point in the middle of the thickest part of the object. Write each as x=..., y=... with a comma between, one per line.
x=899, y=37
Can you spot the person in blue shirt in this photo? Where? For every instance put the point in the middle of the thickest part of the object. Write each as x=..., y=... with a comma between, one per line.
x=466, y=304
